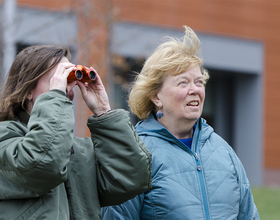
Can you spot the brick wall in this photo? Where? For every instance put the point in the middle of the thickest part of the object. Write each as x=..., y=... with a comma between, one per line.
x=258, y=19
x=92, y=47
x=50, y=4
x=249, y=19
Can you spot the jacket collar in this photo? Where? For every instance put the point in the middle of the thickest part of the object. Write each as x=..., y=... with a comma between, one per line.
x=152, y=124
x=151, y=127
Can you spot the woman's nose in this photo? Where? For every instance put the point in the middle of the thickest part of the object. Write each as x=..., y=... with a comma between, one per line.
x=193, y=89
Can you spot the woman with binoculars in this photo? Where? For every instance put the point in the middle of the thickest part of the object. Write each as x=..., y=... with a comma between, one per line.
x=46, y=172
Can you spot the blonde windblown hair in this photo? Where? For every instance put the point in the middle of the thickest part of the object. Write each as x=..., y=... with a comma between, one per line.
x=171, y=57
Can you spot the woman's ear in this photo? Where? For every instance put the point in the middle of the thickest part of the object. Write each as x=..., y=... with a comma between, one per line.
x=29, y=97
x=155, y=99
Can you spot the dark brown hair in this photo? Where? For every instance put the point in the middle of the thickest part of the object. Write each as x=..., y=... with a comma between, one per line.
x=29, y=65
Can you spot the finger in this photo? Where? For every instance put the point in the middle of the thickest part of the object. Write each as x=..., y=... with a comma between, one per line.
x=82, y=87
x=63, y=66
x=71, y=85
x=96, y=84
x=68, y=70
x=67, y=64
x=71, y=95
x=98, y=78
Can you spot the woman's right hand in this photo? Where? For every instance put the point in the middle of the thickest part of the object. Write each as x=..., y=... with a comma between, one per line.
x=59, y=79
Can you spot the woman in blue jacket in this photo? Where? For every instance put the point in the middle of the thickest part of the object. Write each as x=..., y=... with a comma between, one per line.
x=196, y=175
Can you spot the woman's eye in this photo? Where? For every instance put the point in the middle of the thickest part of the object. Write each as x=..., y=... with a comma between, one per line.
x=183, y=82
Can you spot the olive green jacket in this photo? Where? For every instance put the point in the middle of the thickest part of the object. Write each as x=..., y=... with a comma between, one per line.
x=41, y=179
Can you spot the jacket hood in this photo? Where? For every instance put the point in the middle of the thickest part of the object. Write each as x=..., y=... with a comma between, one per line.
x=151, y=127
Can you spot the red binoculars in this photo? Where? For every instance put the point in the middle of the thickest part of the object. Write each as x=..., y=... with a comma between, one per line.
x=82, y=73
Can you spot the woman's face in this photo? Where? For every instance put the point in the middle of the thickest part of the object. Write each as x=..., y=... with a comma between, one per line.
x=181, y=97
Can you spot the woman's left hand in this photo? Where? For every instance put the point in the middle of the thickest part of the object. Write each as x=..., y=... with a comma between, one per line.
x=95, y=95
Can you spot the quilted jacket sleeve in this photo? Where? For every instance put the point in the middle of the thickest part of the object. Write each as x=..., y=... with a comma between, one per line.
x=36, y=157
x=247, y=207
x=123, y=161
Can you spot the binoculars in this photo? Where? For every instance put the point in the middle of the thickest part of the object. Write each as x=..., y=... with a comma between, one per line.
x=82, y=73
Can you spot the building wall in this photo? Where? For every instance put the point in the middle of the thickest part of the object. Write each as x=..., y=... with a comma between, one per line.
x=253, y=20
x=54, y=5
x=92, y=41
x=256, y=20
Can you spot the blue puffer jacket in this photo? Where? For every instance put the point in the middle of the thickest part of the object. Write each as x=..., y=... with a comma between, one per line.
x=206, y=182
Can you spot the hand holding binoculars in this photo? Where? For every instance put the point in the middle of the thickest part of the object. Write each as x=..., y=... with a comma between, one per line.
x=82, y=73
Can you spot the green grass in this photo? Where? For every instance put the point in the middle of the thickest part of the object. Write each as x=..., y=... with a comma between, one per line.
x=267, y=200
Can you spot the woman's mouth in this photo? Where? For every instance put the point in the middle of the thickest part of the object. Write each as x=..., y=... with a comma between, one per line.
x=193, y=103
